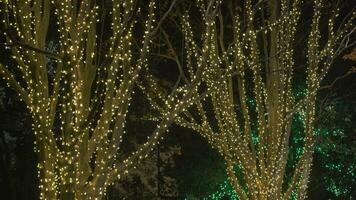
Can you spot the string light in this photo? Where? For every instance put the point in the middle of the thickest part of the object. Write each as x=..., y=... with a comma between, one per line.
x=256, y=136
x=79, y=115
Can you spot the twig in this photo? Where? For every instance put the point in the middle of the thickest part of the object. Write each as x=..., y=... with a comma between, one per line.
x=27, y=46
x=163, y=17
x=175, y=56
x=351, y=71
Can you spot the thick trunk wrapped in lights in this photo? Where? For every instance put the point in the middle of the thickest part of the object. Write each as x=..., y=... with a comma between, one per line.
x=79, y=112
x=247, y=110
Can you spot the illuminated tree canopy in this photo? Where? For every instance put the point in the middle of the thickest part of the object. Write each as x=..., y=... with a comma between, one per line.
x=79, y=108
x=76, y=65
x=248, y=115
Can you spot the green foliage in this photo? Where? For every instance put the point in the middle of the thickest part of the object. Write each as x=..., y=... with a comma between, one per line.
x=334, y=165
x=336, y=150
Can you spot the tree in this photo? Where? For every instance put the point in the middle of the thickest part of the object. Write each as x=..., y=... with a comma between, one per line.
x=332, y=176
x=79, y=96
x=251, y=72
